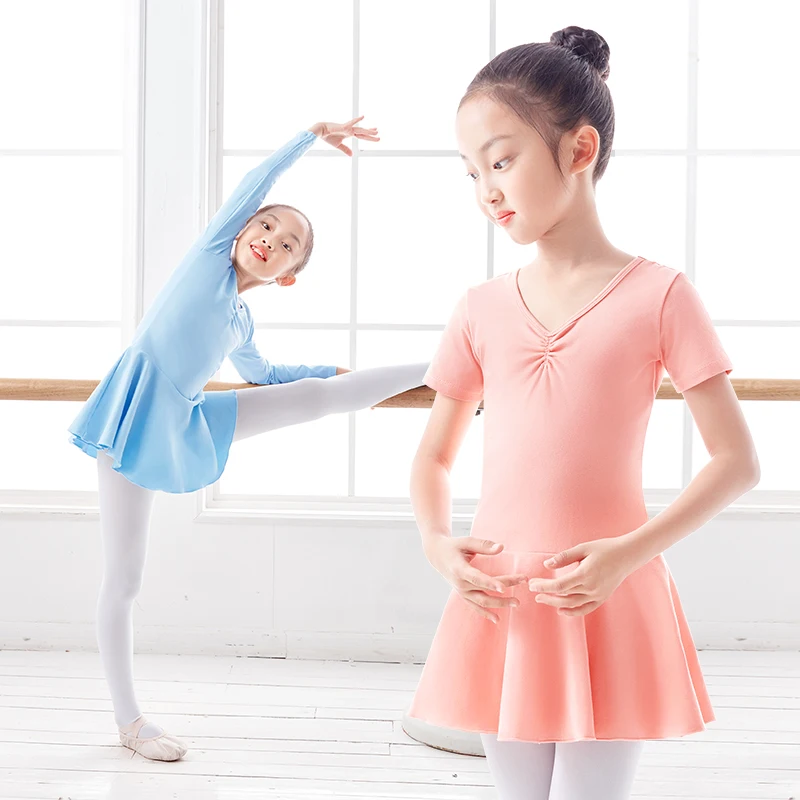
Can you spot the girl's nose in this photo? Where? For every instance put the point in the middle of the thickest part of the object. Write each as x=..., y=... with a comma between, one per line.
x=490, y=199
x=266, y=243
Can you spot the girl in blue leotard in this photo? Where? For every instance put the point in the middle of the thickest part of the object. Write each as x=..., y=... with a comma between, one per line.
x=152, y=428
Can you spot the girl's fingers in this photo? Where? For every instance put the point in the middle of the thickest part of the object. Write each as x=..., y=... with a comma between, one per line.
x=565, y=601
x=484, y=613
x=489, y=600
x=511, y=580
x=480, y=580
x=481, y=611
x=579, y=610
x=564, y=585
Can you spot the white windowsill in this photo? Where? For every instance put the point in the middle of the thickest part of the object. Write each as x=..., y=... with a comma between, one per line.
x=755, y=505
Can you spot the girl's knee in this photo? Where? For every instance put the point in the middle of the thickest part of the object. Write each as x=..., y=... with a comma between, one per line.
x=122, y=588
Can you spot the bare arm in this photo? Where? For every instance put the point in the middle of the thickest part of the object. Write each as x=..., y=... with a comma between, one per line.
x=732, y=470
x=433, y=462
x=431, y=501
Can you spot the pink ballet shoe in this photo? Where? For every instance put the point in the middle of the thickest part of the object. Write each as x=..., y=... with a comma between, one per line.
x=163, y=747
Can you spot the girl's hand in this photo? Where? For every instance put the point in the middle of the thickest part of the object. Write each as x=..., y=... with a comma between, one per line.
x=450, y=557
x=604, y=564
x=333, y=133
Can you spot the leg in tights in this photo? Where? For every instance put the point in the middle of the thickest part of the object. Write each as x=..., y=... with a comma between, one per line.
x=520, y=770
x=603, y=769
x=277, y=405
x=587, y=770
x=125, y=510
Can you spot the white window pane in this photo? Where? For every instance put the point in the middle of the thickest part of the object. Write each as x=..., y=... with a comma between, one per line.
x=416, y=254
x=61, y=225
x=387, y=438
x=776, y=432
x=386, y=442
x=743, y=92
x=663, y=455
x=36, y=431
x=417, y=59
x=35, y=434
x=775, y=426
x=648, y=73
x=747, y=261
x=285, y=61
x=62, y=64
x=762, y=352
x=78, y=353
x=306, y=459
x=320, y=188
x=380, y=348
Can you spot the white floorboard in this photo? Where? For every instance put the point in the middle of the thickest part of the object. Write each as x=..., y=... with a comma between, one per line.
x=321, y=729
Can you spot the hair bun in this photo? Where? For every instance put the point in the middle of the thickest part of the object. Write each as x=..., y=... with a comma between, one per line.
x=587, y=44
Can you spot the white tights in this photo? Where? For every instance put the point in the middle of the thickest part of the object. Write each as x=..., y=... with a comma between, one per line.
x=125, y=508
x=585, y=770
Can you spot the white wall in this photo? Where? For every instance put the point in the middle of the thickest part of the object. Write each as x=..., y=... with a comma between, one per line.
x=309, y=589
x=333, y=591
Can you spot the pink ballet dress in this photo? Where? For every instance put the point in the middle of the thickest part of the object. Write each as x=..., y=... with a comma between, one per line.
x=565, y=415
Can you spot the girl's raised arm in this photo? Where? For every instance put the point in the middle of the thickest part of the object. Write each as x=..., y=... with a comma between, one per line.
x=249, y=194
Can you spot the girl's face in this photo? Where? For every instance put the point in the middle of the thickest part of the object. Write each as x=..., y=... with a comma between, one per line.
x=271, y=244
x=513, y=169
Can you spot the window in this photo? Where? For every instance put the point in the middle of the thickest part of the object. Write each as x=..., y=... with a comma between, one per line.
x=697, y=150
x=66, y=245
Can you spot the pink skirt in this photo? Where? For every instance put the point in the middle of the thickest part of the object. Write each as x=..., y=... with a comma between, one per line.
x=627, y=670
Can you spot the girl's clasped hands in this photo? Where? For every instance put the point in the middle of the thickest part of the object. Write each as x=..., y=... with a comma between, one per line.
x=603, y=565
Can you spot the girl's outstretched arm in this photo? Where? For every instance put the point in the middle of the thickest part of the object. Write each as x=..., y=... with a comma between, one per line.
x=249, y=194
x=254, y=368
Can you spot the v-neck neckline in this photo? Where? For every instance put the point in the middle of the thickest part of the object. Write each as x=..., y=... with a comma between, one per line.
x=549, y=334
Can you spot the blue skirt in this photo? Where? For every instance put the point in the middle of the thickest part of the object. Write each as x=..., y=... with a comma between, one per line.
x=159, y=438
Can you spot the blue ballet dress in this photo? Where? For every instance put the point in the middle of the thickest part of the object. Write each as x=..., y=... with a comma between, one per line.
x=149, y=413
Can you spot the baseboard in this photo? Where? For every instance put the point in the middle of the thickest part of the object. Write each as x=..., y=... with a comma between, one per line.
x=384, y=647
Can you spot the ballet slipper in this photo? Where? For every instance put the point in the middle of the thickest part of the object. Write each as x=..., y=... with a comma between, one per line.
x=163, y=747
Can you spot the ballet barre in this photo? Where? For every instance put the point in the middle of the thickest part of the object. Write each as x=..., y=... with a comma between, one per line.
x=421, y=397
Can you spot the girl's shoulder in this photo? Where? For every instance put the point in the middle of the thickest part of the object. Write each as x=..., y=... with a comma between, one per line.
x=656, y=279
x=648, y=282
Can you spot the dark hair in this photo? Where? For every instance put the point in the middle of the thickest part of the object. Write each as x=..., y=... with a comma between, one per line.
x=309, y=245
x=554, y=86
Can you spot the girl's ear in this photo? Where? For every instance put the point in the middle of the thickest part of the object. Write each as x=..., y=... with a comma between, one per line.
x=286, y=280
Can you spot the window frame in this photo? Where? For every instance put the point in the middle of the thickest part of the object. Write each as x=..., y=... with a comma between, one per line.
x=202, y=24
x=213, y=506
x=34, y=503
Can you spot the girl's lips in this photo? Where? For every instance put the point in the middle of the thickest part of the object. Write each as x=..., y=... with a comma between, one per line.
x=506, y=218
x=259, y=253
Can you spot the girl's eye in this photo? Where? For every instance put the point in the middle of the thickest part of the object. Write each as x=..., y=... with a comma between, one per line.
x=266, y=225
x=470, y=174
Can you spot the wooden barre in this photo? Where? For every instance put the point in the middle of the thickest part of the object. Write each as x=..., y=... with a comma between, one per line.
x=421, y=397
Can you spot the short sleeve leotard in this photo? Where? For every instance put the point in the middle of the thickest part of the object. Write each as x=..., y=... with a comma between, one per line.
x=565, y=415
x=149, y=412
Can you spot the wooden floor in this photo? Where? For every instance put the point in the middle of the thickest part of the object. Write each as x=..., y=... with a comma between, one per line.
x=313, y=729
